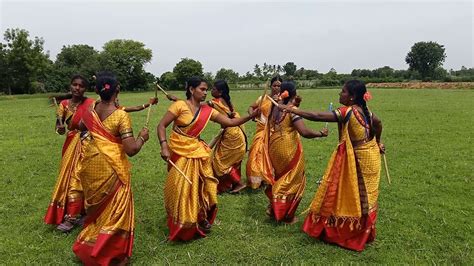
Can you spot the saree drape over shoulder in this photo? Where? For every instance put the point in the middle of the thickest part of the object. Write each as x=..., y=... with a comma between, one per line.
x=284, y=167
x=256, y=155
x=228, y=152
x=67, y=197
x=187, y=204
x=344, y=209
x=105, y=175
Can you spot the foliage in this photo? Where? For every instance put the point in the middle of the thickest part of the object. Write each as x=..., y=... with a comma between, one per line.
x=426, y=57
x=187, y=68
x=227, y=74
x=168, y=80
x=289, y=68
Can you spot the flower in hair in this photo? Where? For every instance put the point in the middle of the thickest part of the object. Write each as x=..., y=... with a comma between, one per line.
x=106, y=87
x=367, y=96
x=284, y=95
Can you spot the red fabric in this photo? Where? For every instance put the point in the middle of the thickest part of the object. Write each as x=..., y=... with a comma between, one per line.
x=54, y=215
x=204, y=114
x=330, y=198
x=70, y=135
x=343, y=235
x=107, y=248
x=75, y=208
x=285, y=211
x=226, y=181
x=179, y=233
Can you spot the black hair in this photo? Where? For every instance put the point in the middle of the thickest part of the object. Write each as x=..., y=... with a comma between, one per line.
x=106, y=85
x=357, y=89
x=193, y=82
x=290, y=87
x=223, y=88
x=275, y=78
x=82, y=78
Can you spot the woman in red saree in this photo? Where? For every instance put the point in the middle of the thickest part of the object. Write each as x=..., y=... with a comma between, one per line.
x=190, y=192
x=284, y=164
x=230, y=145
x=254, y=170
x=344, y=209
x=67, y=203
x=107, y=236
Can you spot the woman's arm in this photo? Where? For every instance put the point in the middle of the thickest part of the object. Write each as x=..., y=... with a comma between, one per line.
x=132, y=146
x=307, y=132
x=137, y=108
x=313, y=116
x=161, y=131
x=237, y=121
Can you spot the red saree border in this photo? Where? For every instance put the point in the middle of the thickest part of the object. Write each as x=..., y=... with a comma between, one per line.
x=92, y=122
x=204, y=116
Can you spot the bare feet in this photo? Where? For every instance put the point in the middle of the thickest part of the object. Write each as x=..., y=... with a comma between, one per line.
x=269, y=211
x=238, y=188
x=291, y=221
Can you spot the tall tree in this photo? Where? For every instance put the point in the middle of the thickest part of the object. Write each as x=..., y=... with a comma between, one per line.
x=289, y=68
x=187, y=68
x=257, y=71
x=425, y=57
x=127, y=58
x=227, y=74
x=24, y=61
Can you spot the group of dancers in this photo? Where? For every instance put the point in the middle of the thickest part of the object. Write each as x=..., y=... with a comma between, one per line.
x=93, y=188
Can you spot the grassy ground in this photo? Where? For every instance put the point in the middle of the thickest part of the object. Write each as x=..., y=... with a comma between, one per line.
x=426, y=215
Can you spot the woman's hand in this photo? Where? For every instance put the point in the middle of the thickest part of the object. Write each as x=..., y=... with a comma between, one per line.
x=285, y=108
x=153, y=101
x=60, y=129
x=381, y=147
x=255, y=113
x=165, y=153
x=324, y=132
x=144, y=134
x=171, y=97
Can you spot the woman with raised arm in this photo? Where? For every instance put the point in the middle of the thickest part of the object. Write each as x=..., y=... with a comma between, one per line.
x=107, y=236
x=67, y=204
x=256, y=154
x=231, y=143
x=284, y=169
x=190, y=188
x=344, y=209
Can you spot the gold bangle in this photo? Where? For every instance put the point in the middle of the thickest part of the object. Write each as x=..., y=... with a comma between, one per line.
x=143, y=139
x=143, y=105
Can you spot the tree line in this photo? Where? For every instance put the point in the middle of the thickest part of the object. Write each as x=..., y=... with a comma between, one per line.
x=25, y=67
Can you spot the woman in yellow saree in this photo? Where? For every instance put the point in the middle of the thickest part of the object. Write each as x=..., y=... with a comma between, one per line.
x=344, y=209
x=190, y=188
x=284, y=164
x=256, y=155
x=67, y=203
x=230, y=145
x=107, y=236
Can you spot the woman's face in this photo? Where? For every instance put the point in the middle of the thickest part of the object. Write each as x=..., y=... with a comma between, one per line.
x=200, y=92
x=345, y=97
x=77, y=88
x=215, y=92
x=276, y=87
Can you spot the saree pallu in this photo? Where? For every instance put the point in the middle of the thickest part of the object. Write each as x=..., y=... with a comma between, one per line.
x=256, y=151
x=344, y=209
x=228, y=153
x=105, y=175
x=67, y=194
x=288, y=180
x=187, y=204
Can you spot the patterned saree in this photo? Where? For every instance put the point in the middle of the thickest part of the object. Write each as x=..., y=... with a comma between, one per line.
x=187, y=205
x=67, y=194
x=104, y=171
x=229, y=151
x=344, y=209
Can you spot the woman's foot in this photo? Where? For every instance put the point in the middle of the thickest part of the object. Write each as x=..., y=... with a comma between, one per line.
x=65, y=227
x=292, y=220
x=239, y=187
x=205, y=226
x=269, y=211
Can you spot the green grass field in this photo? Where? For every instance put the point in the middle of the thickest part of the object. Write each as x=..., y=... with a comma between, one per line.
x=426, y=214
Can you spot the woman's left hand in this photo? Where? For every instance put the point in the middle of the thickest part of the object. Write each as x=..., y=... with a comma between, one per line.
x=153, y=100
x=381, y=148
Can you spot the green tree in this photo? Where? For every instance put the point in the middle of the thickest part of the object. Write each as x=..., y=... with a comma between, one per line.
x=24, y=62
x=257, y=71
x=289, y=68
x=168, y=80
x=425, y=57
x=187, y=68
x=126, y=59
x=227, y=74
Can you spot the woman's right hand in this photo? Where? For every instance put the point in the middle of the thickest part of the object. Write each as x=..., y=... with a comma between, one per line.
x=255, y=112
x=60, y=129
x=324, y=132
x=381, y=148
x=171, y=97
x=144, y=134
x=165, y=153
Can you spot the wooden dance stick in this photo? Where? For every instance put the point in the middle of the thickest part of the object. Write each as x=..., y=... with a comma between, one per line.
x=216, y=138
x=57, y=116
x=159, y=87
x=271, y=99
x=147, y=122
x=386, y=168
x=181, y=172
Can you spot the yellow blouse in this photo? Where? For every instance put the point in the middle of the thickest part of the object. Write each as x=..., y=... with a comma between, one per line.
x=183, y=113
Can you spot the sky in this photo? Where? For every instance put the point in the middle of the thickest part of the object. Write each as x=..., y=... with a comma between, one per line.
x=320, y=35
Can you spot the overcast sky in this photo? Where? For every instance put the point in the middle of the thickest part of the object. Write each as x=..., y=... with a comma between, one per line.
x=239, y=34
